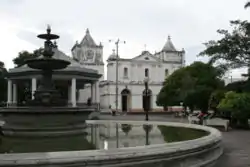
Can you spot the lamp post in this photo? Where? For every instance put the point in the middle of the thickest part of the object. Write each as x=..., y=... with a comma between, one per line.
x=116, y=86
x=116, y=79
x=146, y=98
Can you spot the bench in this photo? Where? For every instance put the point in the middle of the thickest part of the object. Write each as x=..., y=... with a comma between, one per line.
x=217, y=122
x=193, y=119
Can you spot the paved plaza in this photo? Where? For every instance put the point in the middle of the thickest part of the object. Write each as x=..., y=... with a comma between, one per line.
x=236, y=142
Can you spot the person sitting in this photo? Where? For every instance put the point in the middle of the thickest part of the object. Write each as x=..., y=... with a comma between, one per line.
x=201, y=116
x=112, y=111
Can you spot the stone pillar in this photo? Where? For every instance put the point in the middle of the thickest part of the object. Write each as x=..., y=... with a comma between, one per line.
x=69, y=95
x=9, y=98
x=14, y=94
x=97, y=94
x=93, y=93
x=33, y=87
x=73, y=92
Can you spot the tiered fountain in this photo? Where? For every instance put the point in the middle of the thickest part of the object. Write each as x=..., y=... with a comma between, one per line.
x=46, y=94
x=47, y=114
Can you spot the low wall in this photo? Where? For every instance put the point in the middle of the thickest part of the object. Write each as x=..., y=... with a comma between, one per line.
x=199, y=152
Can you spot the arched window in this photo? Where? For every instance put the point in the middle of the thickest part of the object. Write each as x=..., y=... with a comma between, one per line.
x=146, y=72
x=125, y=72
x=166, y=72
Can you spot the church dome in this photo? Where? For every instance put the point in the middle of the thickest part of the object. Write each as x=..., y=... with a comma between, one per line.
x=113, y=55
x=169, y=46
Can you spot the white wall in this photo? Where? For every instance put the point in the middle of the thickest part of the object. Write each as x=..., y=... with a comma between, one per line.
x=99, y=68
x=136, y=99
x=136, y=70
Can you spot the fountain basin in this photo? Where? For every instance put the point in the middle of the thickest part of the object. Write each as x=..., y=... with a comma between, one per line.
x=44, y=121
x=47, y=64
x=203, y=151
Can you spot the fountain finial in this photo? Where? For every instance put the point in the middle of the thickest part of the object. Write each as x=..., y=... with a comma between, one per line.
x=48, y=29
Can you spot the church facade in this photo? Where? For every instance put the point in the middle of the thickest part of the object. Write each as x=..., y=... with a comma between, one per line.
x=131, y=74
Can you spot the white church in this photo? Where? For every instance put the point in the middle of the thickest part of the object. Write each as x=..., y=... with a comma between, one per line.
x=131, y=74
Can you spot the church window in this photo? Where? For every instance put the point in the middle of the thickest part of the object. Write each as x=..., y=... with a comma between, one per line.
x=166, y=72
x=146, y=72
x=125, y=72
x=146, y=58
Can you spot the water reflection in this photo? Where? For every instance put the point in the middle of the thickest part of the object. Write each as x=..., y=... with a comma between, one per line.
x=101, y=136
x=115, y=135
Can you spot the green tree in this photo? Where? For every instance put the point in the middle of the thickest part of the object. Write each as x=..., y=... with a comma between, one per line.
x=25, y=55
x=192, y=85
x=238, y=105
x=238, y=86
x=233, y=49
x=215, y=98
x=247, y=5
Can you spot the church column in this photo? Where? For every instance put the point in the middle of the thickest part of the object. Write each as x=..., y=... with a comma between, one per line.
x=14, y=94
x=69, y=95
x=9, y=100
x=93, y=93
x=97, y=94
x=33, y=87
x=73, y=92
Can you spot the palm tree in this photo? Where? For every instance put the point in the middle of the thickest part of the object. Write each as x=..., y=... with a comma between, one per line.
x=247, y=5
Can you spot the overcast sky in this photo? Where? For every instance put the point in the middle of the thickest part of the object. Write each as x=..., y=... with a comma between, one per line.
x=138, y=22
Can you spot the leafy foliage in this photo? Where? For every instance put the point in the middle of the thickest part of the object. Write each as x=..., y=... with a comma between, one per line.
x=233, y=49
x=247, y=5
x=192, y=85
x=25, y=55
x=238, y=86
x=238, y=104
x=215, y=98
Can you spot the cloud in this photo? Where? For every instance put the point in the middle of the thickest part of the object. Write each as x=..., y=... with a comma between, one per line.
x=192, y=54
x=190, y=23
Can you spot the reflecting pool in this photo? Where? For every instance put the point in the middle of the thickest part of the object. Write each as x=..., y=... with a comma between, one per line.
x=101, y=136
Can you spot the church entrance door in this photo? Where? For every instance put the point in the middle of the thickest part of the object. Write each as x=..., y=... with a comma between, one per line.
x=125, y=100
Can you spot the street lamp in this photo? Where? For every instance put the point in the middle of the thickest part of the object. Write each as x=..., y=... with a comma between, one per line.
x=146, y=98
x=116, y=69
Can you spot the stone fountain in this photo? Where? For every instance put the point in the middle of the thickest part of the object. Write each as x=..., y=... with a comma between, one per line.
x=47, y=95
x=47, y=116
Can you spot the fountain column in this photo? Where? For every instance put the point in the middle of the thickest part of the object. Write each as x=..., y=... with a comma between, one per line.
x=9, y=100
x=33, y=87
x=14, y=94
x=73, y=92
